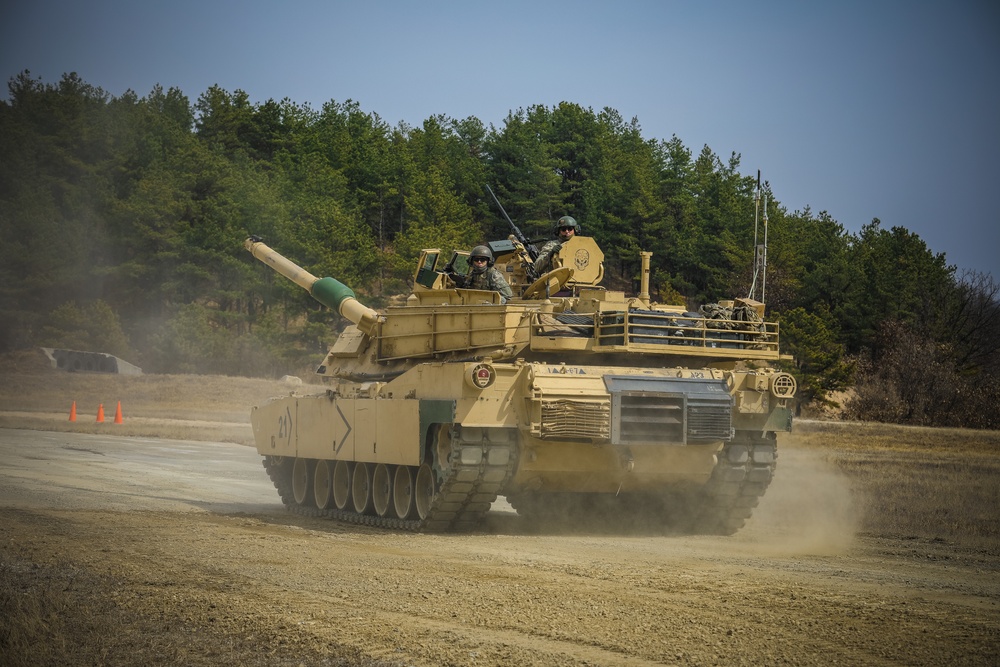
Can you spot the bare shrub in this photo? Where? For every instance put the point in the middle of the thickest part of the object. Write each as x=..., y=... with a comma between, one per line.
x=908, y=378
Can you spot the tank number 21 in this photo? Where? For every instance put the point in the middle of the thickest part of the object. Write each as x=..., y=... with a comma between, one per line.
x=285, y=425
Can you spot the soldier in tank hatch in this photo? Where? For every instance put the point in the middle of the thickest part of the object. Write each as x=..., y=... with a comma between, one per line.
x=484, y=276
x=566, y=228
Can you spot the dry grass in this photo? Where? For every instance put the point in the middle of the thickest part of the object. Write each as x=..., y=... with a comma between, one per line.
x=912, y=482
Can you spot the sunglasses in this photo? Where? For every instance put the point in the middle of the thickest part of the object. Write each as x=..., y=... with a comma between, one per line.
x=567, y=229
x=479, y=260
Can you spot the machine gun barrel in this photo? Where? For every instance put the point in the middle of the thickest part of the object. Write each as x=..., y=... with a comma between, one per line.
x=328, y=291
x=532, y=250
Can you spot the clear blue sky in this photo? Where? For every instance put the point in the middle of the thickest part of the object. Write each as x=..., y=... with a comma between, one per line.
x=887, y=109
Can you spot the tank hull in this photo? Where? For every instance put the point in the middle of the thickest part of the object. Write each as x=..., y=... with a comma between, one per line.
x=559, y=399
x=433, y=448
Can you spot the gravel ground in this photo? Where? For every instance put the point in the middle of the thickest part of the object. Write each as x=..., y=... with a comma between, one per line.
x=129, y=550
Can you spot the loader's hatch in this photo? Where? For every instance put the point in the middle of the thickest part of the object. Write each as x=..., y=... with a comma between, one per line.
x=658, y=410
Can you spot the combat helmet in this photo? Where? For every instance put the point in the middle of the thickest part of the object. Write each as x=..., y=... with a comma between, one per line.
x=568, y=221
x=482, y=251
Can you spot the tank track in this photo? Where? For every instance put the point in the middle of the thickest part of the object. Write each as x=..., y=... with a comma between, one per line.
x=744, y=471
x=464, y=493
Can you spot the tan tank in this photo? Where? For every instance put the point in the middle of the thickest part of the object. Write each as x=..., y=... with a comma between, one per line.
x=572, y=401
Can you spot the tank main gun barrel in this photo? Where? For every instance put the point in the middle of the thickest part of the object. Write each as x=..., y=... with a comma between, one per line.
x=328, y=291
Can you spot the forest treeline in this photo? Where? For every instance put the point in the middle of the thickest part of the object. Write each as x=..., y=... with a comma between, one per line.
x=122, y=223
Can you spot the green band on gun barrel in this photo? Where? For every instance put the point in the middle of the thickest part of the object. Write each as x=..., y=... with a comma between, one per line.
x=331, y=292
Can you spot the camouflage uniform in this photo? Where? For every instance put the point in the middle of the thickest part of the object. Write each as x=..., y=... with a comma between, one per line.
x=489, y=279
x=544, y=260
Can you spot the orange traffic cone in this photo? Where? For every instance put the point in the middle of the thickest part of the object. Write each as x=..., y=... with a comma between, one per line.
x=118, y=413
x=72, y=412
x=100, y=413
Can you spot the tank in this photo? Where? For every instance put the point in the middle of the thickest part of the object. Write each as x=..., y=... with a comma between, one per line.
x=574, y=402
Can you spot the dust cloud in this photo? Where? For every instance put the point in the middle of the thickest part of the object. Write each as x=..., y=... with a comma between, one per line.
x=809, y=509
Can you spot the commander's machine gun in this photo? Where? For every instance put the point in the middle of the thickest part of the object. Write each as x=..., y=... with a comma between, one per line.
x=519, y=237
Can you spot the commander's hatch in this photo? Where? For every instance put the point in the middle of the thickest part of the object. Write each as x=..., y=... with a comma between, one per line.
x=585, y=257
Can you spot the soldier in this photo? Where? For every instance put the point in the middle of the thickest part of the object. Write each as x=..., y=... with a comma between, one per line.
x=566, y=228
x=484, y=276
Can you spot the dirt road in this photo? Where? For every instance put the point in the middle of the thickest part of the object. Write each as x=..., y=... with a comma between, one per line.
x=144, y=551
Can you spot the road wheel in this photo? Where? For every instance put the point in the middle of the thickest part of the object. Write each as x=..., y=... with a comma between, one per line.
x=361, y=488
x=341, y=485
x=322, y=480
x=424, y=491
x=402, y=491
x=381, y=489
x=301, y=482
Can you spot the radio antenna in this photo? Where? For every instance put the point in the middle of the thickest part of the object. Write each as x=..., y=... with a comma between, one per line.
x=758, y=251
x=763, y=254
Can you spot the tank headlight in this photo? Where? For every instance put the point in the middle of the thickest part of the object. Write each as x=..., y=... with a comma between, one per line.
x=480, y=376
